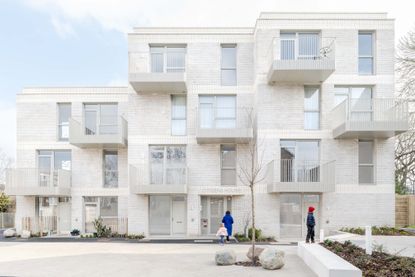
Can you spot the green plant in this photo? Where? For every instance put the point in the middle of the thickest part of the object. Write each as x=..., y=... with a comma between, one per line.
x=102, y=231
x=135, y=236
x=75, y=232
x=258, y=233
x=4, y=202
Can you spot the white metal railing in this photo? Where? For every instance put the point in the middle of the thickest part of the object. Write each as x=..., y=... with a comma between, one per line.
x=34, y=177
x=40, y=225
x=78, y=131
x=300, y=171
x=224, y=118
x=142, y=174
x=169, y=60
x=117, y=224
x=361, y=112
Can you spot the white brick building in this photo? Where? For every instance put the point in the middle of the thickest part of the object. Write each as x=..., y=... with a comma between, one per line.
x=162, y=156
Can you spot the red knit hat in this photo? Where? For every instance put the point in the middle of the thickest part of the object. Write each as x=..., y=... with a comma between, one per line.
x=311, y=209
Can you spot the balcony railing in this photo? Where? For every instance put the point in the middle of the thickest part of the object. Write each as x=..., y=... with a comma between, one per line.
x=300, y=176
x=306, y=58
x=143, y=180
x=115, y=135
x=224, y=125
x=32, y=181
x=369, y=118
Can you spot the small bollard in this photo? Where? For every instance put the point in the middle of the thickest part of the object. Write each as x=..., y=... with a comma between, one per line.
x=368, y=240
x=321, y=235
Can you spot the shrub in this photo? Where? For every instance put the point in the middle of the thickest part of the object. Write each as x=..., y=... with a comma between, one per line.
x=102, y=230
x=379, y=231
x=135, y=236
x=75, y=232
x=258, y=234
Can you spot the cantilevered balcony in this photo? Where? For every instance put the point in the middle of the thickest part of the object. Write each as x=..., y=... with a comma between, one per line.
x=369, y=118
x=301, y=59
x=160, y=70
x=300, y=176
x=37, y=182
x=93, y=136
x=144, y=180
x=224, y=125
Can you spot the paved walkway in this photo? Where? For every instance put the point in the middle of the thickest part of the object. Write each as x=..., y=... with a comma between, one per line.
x=400, y=245
x=121, y=259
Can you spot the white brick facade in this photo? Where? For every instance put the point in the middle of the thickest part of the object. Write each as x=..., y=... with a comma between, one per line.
x=279, y=115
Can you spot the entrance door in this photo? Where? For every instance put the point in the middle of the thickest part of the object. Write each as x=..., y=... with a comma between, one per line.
x=178, y=217
x=312, y=200
x=91, y=214
x=64, y=217
x=216, y=213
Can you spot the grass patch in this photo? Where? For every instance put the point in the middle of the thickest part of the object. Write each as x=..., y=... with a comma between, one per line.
x=379, y=231
x=379, y=264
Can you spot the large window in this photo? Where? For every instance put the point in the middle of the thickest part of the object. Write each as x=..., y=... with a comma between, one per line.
x=217, y=111
x=358, y=102
x=178, y=115
x=49, y=162
x=101, y=119
x=110, y=169
x=300, y=161
x=311, y=108
x=167, y=165
x=228, y=65
x=366, y=165
x=366, y=53
x=228, y=165
x=169, y=58
x=105, y=207
x=64, y=113
x=303, y=45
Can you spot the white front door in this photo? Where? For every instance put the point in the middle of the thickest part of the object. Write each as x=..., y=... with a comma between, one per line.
x=178, y=217
x=64, y=217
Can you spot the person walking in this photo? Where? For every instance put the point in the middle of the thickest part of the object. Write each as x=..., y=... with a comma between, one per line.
x=228, y=221
x=311, y=222
x=222, y=233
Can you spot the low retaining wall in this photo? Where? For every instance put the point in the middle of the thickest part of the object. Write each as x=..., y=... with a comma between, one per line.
x=325, y=263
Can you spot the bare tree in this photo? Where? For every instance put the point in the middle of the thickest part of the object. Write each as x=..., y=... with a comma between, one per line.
x=250, y=174
x=5, y=162
x=405, y=144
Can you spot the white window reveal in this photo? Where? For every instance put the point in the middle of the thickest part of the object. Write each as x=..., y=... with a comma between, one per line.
x=178, y=115
x=365, y=53
x=170, y=58
x=228, y=65
x=311, y=108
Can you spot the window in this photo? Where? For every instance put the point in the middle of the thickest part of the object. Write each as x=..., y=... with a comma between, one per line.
x=311, y=108
x=300, y=161
x=366, y=166
x=167, y=165
x=64, y=113
x=110, y=169
x=49, y=162
x=228, y=65
x=101, y=119
x=178, y=115
x=365, y=53
x=217, y=111
x=358, y=102
x=228, y=165
x=168, y=58
x=295, y=46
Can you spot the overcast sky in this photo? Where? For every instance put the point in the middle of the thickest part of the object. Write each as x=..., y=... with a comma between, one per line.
x=83, y=42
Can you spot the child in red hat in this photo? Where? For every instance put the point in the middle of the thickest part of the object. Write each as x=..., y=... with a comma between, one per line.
x=311, y=222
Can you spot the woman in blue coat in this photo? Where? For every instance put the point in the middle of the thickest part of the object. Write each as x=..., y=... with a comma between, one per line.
x=228, y=221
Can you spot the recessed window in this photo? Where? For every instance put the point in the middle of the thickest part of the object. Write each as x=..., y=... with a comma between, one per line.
x=101, y=119
x=167, y=164
x=178, y=115
x=228, y=65
x=110, y=169
x=64, y=113
x=303, y=45
x=366, y=165
x=228, y=165
x=366, y=53
x=50, y=162
x=217, y=111
x=311, y=108
x=358, y=101
x=169, y=58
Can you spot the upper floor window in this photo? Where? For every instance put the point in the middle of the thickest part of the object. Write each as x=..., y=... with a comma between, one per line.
x=167, y=164
x=366, y=165
x=311, y=108
x=302, y=45
x=228, y=65
x=110, y=169
x=228, y=165
x=169, y=58
x=64, y=113
x=358, y=101
x=178, y=115
x=49, y=162
x=217, y=111
x=101, y=119
x=366, y=53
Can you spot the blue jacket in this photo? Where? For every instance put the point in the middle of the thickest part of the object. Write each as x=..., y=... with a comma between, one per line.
x=310, y=220
x=228, y=221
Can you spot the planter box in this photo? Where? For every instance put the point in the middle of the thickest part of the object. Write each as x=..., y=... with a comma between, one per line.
x=325, y=263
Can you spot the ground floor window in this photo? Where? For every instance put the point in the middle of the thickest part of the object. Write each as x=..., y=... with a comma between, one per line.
x=105, y=207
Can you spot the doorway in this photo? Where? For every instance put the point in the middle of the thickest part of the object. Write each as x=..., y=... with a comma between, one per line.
x=64, y=211
x=293, y=214
x=167, y=215
x=212, y=212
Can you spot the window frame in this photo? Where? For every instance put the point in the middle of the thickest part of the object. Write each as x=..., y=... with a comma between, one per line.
x=223, y=168
x=61, y=125
x=165, y=52
x=372, y=165
x=313, y=111
x=215, y=108
x=296, y=39
x=225, y=68
x=104, y=170
x=165, y=183
x=173, y=118
x=372, y=56
x=98, y=111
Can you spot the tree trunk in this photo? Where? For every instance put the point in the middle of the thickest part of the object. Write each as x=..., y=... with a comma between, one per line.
x=253, y=226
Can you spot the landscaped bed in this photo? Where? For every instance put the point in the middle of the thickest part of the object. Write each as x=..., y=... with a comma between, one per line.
x=379, y=264
x=379, y=231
